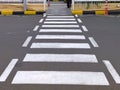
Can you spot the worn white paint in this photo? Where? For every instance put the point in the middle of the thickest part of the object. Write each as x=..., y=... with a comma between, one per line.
x=76, y=15
x=61, y=45
x=62, y=26
x=60, y=37
x=112, y=71
x=62, y=30
x=60, y=19
x=84, y=28
x=72, y=22
x=86, y=58
x=79, y=21
x=60, y=16
x=8, y=70
x=41, y=20
x=44, y=15
x=60, y=77
x=94, y=43
x=36, y=28
x=27, y=41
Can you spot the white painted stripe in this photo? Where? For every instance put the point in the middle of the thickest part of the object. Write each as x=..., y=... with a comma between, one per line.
x=112, y=71
x=60, y=77
x=8, y=69
x=94, y=43
x=62, y=26
x=76, y=15
x=84, y=28
x=41, y=20
x=79, y=21
x=61, y=30
x=44, y=15
x=60, y=19
x=60, y=22
x=27, y=41
x=86, y=58
x=61, y=45
x=60, y=37
x=36, y=28
x=60, y=16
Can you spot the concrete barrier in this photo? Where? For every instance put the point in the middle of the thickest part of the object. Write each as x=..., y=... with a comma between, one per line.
x=96, y=12
x=11, y=12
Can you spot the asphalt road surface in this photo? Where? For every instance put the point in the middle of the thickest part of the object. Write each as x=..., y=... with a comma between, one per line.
x=59, y=52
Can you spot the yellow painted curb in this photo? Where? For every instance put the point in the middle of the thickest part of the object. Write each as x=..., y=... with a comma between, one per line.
x=78, y=12
x=29, y=12
x=6, y=12
x=55, y=0
x=100, y=12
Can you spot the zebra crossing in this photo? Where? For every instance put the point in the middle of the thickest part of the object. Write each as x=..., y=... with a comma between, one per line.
x=60, y=24
x=69, y=31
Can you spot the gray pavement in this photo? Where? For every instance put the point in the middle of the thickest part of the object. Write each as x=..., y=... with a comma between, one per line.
x=70, y=72
x=58, y=8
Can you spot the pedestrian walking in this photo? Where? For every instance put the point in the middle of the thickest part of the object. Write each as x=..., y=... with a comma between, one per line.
x=69, y=3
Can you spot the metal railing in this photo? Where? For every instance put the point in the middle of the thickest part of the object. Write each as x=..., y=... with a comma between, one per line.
x=95, y=5
x=23, y=5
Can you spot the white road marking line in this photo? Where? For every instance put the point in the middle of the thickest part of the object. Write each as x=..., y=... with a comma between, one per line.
x=44, y=15
x=61, y=45
x=76, y=15
x=94, y=43
x=60, y=37
x=60, y=16
x=84, y=28
x=60, y=19
x=86, y=58
x=60, y=22
x=60, y=77
x=112, y=71
x=61, y=30
x=62, y=26
x=41, y=20
x=27, y=41
x=36, y=28
x=79, y=21
x=8, y=69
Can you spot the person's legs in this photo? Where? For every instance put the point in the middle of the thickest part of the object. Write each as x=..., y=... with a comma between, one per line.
x=68, y=5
